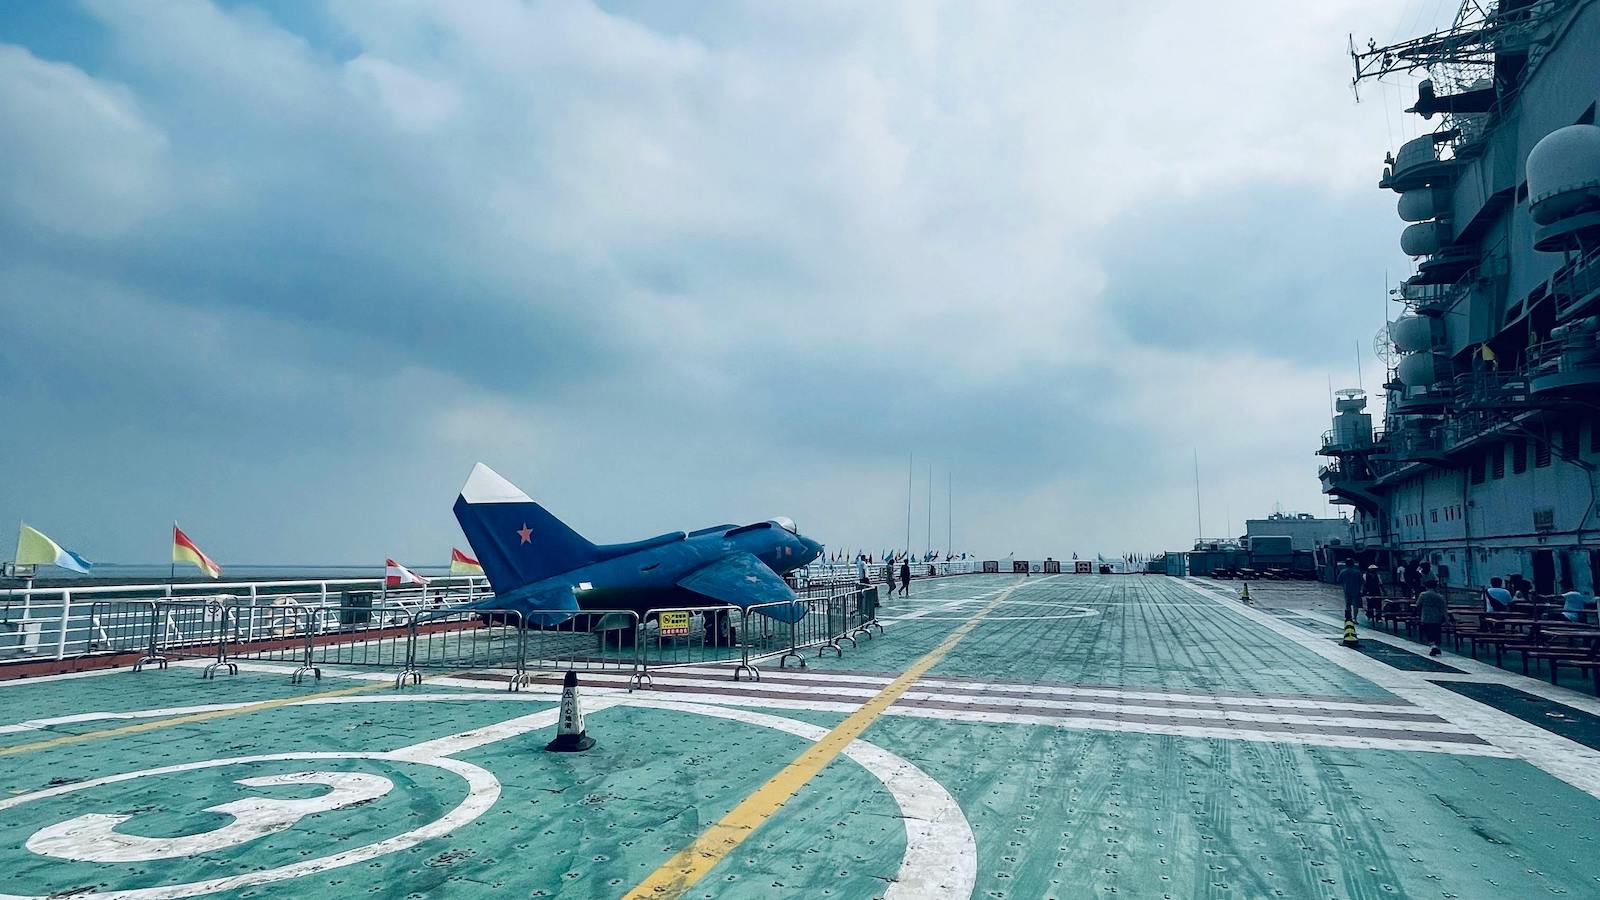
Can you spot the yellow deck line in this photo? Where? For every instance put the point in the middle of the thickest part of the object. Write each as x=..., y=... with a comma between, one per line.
x=141, y=727
x=689, y=865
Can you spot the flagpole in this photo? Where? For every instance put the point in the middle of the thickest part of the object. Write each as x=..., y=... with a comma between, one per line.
x=910, y=463
x=172, y=567
x=1199, y=523
x=930, y=508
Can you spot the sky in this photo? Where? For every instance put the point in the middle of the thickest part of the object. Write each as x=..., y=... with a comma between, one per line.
x=284, y=272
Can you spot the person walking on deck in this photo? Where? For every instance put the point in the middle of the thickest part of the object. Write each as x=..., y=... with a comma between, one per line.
x=1372, y=587
x=905, y=576
x=888, y=578
x=1430, y=615
x=1350, y=578
x=1415, y=576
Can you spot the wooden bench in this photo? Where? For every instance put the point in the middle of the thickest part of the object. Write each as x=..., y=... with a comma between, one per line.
x=1580, y=659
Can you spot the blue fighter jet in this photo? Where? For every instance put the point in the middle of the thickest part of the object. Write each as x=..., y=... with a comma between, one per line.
x=549, y=573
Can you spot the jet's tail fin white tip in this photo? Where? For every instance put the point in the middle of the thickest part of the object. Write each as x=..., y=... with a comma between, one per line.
x=485, y=485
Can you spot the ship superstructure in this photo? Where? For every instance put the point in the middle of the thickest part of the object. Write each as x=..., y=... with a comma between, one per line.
x=1486, y=459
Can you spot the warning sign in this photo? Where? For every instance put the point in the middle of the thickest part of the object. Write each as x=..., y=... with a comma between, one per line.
x=674, y=624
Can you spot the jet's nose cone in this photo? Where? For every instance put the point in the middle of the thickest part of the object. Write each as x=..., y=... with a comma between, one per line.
x=811, y=549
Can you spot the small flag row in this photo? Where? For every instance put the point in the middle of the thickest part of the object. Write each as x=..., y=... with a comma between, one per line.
x=35, y=548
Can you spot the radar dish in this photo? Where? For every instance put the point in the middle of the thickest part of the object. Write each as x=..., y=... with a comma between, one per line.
x=1383, y=347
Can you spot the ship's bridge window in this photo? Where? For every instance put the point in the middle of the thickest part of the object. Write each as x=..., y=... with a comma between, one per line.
x=787, y=524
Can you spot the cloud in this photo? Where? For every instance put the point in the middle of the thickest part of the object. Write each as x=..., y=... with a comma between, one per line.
x=81, y=160
x=670, y=267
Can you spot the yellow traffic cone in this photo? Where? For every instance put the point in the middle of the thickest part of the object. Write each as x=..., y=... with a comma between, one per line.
x=1350, y=639
x=1244, y=595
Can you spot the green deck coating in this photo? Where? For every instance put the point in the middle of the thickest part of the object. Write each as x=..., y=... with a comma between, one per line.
x=1147, y=632
x=1067, y=812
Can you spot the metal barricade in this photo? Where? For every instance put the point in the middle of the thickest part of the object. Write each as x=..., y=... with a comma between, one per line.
x=589, y=641
x=127, y=626
x=337, y=635
x=815, y=621
x=463, y=641
x=691, y=636
x=195, y=629
x=599, y=640
x=861, y=612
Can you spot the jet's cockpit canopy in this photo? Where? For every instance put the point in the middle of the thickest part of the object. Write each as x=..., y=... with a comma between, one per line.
x=787, y=524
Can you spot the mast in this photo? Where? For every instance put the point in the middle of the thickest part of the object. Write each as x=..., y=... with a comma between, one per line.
x=910, y=460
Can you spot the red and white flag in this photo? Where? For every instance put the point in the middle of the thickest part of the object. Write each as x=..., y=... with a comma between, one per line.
x=395, y=575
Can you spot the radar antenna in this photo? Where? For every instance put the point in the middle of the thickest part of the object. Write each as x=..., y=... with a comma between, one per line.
x=1383, y=348
x=1467, y=50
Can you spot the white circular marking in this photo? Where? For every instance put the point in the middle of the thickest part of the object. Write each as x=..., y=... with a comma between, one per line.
x=940, y=859
x=483, y=789
x=95, y=838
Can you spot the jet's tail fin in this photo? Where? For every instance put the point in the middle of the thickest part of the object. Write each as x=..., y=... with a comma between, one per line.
x=516, y=540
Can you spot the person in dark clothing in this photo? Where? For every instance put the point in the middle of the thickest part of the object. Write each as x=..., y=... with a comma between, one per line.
x=1414, y=579
x=905, y=576
x=1350, y=578
x=1372, y=588
x=1430, y=615
x=888, y=578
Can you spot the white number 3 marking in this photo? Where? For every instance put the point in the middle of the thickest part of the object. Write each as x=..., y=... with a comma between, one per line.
x=94, y=838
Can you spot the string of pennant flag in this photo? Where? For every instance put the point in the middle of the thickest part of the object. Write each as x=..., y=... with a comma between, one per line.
x=35, y=548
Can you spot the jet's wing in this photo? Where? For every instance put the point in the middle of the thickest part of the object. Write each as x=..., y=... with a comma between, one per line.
x=744, y=581
x=544, y=608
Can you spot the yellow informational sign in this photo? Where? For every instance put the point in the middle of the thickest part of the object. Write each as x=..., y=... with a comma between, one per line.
x=674, y=624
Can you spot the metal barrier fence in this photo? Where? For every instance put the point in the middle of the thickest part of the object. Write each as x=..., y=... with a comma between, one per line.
x=39, y=623
x=315, y=637
x=696, y=636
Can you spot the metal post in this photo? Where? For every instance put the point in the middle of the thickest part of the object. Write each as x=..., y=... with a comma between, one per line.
x=641, y=668
x=253, y=612
x=153, y=652
x=794, y=649
x=308, y=651
x=61, y=639
x=521, y=677
x=744, y=656
x=410, y=672
x=220, y=633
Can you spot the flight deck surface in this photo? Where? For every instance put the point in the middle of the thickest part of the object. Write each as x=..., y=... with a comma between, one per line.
x=1065, y=736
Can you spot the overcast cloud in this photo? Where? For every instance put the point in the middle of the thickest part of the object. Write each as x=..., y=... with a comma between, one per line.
x=285, y=272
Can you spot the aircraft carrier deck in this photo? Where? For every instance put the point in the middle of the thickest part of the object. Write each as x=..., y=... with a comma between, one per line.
x=1071, y=736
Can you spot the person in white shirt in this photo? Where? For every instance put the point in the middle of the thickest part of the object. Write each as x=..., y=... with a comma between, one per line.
x=1495, y=597
x=1574, y=603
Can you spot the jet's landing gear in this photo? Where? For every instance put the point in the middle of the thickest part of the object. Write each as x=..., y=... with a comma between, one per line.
x=720, y=630
x=617, y=638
